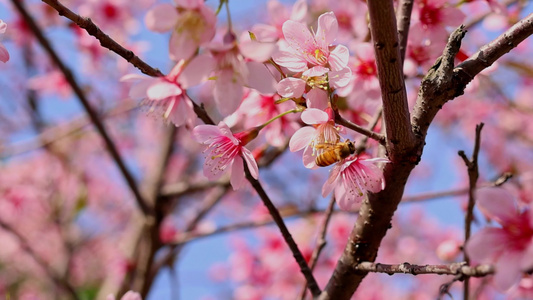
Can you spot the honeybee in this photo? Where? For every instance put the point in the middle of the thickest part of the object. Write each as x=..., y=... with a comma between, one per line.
x=333, y=152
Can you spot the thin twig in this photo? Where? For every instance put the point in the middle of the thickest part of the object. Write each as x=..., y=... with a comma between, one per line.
x=25, y=245
x=366, y=132
x=361, y=146
x=87, y=106
x=406, y=268
x=304, y=267
x=473, y=175
x=321, y=240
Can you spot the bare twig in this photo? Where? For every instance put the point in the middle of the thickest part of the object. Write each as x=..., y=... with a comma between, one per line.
x=473, y=175
x=366, y=132
x=406, y=268
x=361, y=145
x=85, y=102
x=304, y=267
x=25, y=245
x=321, y=240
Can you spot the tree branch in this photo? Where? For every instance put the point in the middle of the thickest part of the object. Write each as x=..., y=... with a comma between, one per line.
x=441, y=84
x=321, y=240
x=473, y=175
x=304, y=268
x=389, y=63
x=406, y=268
x=364, y=131
x=87, y=106
x=405, y=7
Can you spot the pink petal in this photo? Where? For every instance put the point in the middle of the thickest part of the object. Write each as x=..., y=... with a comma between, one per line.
x=138, y=90
x=291, y=87
x=260, y=78
x=299, y=10
x=265, y=33
x=338, y=58
x=341, y=78
x=316, y=71
x=228, y=92
x=256, y=51
x=3, y=26
x=497, y=203
x=308, y=158
x=298, y=36
x=162, y=89
x=301, y=138
x=526, y=263
x=213, y=167
x=181, y=45
x=161, y=18
x=197, y=70
x=326, y=32
x=289, y=60
x=4, y=55
x=182, y=113
x=189, y=4
x=330, y=184
x=237, y=173
x=486, y=243
x=226, y=131
x=250, y=161
x=314, y=116
x=317, y=99
x=205, y=134
x=132, y=77
x=507, y=271
x=348, y=198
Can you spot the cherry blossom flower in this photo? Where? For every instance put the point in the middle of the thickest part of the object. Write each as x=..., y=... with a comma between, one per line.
x=257, y=109
x=278, y=14
x=4, y=55
x=352, y=178
x=509, y=247
x=322, y=131
x=226, y=151
x=364, y=83
x=315, y=82
x=306, y=48
x=192, y=22
x=232, y=71
x=435, y=15
x=166, y=94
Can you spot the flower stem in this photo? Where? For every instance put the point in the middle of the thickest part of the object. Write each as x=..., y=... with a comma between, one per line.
x=296, y=110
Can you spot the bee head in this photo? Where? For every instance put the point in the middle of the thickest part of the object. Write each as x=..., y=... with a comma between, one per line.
x=351, y=146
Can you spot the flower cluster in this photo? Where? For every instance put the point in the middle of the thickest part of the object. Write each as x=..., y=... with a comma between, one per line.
x=295, y=68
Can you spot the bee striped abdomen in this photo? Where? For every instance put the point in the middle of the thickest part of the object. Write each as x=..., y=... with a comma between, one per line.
x=327, y=158
x=334, y=153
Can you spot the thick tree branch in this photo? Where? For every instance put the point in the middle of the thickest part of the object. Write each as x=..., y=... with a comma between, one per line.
x=405, y=7
x=298, y=256
x=391, y=80
x=86, y=105
x=442, y=83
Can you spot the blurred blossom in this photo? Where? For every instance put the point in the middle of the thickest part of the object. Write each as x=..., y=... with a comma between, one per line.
x=509, y=247
x=4, y=55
